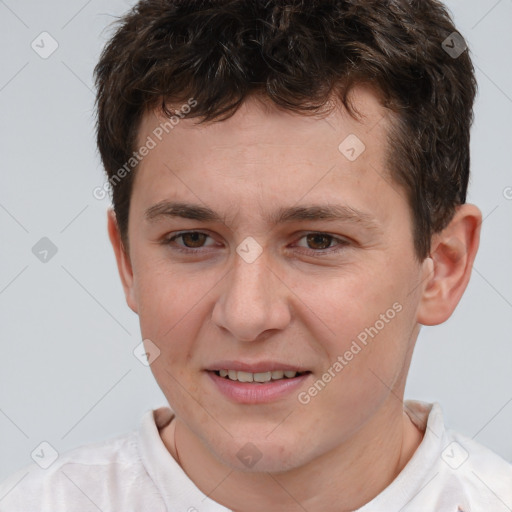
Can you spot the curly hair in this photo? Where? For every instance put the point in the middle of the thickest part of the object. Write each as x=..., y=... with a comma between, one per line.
x=298, y=54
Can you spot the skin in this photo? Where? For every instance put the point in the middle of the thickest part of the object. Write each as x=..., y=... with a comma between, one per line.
x=354, y=437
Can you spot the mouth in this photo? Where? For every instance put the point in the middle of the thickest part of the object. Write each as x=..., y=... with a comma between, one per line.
x=267, y=383
x=259, y=377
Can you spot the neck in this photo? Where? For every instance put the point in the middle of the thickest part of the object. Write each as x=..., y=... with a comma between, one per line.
x=357, y=470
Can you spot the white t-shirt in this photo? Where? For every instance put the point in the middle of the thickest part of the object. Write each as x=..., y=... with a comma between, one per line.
x=134, y=472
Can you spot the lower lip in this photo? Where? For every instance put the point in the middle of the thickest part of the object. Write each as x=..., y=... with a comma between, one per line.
x=257, y=393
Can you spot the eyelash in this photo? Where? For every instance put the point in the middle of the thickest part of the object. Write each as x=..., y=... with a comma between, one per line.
x=342, y=243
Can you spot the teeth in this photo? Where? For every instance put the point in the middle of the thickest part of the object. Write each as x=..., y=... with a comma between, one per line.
x=245, y=377
x=257, y=377
x=262, y=377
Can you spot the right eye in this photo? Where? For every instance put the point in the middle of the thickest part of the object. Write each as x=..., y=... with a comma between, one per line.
x=192, y=240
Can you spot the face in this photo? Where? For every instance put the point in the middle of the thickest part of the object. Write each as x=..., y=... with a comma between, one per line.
x=290, y=250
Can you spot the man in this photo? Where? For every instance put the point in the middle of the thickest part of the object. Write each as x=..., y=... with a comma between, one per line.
x=289, y=184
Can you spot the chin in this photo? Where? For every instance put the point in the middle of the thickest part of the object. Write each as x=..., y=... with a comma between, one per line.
x=253, y=455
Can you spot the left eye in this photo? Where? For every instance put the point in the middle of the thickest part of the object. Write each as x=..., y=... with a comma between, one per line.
x=321, y=241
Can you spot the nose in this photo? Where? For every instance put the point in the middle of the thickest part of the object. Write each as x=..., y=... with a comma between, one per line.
x=252, y=300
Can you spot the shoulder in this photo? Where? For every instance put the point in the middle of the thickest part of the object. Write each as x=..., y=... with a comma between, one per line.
x=486, y=478
x=450, y=471
x=103, y=473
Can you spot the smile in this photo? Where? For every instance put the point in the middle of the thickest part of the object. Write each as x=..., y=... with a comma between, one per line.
x=260, y=377
x=245, y=387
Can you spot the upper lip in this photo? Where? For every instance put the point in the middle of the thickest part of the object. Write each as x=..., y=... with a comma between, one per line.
x=256, y=367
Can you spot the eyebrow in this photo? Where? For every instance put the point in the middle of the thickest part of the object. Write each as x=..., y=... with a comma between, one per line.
x=328, y=212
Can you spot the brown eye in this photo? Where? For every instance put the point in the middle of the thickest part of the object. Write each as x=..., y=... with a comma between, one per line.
x=321, y=244
x=193, y=240
x=190, y=242
x=318, y=241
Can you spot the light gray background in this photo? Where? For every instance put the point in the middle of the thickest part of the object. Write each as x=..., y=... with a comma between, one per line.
x=67, y=372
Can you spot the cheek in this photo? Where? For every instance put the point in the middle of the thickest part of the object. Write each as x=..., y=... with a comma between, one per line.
x=343, y=305
x=363, y=317
x=168, y=315
x=166, y=295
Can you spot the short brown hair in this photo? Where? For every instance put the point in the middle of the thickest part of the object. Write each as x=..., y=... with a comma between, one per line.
x=298, y=54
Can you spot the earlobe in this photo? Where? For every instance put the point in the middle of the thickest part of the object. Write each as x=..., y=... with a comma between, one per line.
x=448, y=268
x=124, y=265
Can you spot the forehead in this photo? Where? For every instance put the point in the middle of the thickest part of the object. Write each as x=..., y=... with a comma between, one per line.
x=263, y=154
x=259, y=131
x=244, y=128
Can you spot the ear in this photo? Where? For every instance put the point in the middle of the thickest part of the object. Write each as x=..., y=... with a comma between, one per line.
x=124, y=265
x=449, y=265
